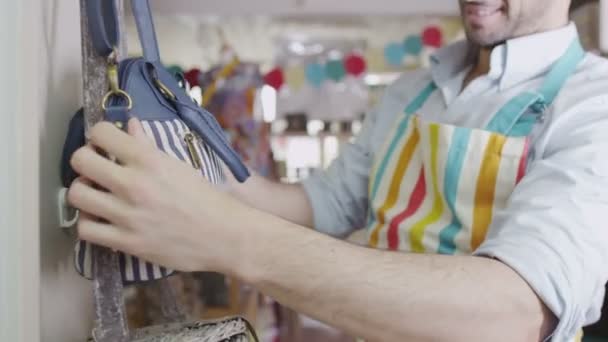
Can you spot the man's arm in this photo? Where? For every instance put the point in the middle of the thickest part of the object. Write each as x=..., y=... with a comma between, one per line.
x=288, y=201
x=337, y=196
x=384, y=296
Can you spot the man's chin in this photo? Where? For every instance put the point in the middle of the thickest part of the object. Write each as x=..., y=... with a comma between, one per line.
x=483, y=39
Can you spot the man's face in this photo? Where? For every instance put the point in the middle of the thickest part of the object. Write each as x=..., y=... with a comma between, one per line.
x=490, y=22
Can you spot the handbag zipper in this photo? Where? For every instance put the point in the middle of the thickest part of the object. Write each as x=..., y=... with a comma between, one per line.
x=190, y=140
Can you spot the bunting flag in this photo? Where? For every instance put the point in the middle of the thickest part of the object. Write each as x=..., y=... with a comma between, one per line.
x=315, y=73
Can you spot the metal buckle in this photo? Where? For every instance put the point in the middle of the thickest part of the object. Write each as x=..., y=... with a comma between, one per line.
x=167, y=93
x=119, y=93
x=114, y=85
x=165, y=90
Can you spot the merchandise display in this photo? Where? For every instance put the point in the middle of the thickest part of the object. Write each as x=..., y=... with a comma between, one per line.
x=142, y=88
x=424, y=132
x=236, y=87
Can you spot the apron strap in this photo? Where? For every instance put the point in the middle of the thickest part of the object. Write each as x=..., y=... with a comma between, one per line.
x=561, y=71
x=504, y=122
x=419, y=101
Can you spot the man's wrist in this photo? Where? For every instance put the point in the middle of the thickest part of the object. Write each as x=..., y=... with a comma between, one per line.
x=251, y=244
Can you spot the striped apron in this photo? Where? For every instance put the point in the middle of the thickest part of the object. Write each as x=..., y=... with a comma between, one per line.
x=434, y=187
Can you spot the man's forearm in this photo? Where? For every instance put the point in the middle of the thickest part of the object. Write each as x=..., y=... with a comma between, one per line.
x=385, y=296
x=288, y=201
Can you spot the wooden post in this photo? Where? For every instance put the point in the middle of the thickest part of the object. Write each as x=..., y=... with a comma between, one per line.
x=603, y=27
x=110, y=316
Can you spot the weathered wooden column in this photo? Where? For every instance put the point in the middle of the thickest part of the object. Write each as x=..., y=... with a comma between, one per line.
x=110, y=317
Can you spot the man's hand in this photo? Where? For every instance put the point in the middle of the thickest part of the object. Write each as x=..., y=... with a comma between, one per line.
x=155, y=206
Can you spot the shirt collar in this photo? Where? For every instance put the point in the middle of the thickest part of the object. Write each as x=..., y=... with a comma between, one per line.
x=516, y=61
x=449, y=61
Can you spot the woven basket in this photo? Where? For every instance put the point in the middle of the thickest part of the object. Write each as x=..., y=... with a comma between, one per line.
x=231, y=329
x=234, y=329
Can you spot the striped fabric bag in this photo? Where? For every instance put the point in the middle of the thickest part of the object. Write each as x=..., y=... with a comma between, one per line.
x=176, y=139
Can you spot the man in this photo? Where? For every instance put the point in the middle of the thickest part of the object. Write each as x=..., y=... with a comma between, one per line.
x=492, y=182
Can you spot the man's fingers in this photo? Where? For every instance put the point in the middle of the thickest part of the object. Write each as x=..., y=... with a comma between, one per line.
x=88, y=163
x=84, y=196
x=104, y=234
x=127, y=149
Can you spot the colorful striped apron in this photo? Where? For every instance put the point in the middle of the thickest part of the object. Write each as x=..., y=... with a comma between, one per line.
x=434, y=187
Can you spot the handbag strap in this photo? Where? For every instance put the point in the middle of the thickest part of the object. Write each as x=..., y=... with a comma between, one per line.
x=202, y=122
x=145, y=29
x=105, y=36
x=103, y=25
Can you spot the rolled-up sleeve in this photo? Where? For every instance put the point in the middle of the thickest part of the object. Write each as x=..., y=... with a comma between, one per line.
x=338, y=195
x=554, y=230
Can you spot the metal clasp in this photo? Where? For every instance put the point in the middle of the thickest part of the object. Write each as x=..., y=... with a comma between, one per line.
x=167, y=93
x=114, y=83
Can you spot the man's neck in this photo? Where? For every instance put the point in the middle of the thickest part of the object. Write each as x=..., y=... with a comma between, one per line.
x=480, y=67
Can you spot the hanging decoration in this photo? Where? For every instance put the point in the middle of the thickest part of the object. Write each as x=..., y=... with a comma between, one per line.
x=315, y=74
x=432, y=36
x=335, y=70
x=413, y=45
x=355, y=64
x=394, y=54
x=275, y=78
x=295, y=77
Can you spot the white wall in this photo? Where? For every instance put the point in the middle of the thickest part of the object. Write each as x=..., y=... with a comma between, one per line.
x=9, y=265
x=66, y=299
x=45, y=299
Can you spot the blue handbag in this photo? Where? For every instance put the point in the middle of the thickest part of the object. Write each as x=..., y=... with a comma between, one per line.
x=141, y=87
